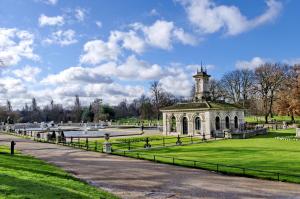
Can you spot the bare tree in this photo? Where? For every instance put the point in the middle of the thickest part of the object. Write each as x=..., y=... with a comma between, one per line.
x=216, y=90
x=8, y=106
x=77, y=110
x=231, y=82
x=157, y=93
x=247, y=83
x=238, y=85
x=268, y=80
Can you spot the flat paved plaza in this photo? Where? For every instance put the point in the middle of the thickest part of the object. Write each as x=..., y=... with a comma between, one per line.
x=131, y=178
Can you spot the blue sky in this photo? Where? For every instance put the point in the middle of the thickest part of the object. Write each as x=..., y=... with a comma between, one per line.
x=55, y=49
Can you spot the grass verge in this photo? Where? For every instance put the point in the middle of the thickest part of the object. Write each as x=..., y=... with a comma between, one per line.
x=23, y=176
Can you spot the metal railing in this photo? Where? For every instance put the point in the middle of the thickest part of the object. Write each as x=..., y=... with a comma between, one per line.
x=217, y=167
x=220, y=168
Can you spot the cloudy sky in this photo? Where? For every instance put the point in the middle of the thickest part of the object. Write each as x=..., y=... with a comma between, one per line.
x=113, y=49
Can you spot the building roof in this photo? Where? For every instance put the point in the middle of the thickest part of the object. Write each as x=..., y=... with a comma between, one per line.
x=206, y=105
x=201, y=73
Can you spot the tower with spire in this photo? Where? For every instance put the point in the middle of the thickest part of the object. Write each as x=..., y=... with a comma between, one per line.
x=201, y=85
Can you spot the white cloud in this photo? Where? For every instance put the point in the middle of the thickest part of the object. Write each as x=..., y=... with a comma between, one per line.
x=76, y=75
x=63, y=38
x=97, y=51
x=80, y=14
x=184, y=37
x=14, y=45
x=51, y=21
x=51, y=2
x=252, y=64
x=112, y=93
x=154, y=12
x=88, y=83
x=99, y=24
x=292, y=61
x=161, y=34
x=208, y=17
x=177, y=81
x=195, y=67
x=134, y=69
x=28, y=73
x=12, y=88
x=129, y=40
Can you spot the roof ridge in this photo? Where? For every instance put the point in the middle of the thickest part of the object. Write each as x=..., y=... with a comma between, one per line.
x=208, y=104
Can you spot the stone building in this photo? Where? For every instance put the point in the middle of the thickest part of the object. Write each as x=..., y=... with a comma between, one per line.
x=202, y=116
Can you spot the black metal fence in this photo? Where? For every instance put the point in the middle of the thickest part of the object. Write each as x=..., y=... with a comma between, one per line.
x=94, y=145
x=220, y=168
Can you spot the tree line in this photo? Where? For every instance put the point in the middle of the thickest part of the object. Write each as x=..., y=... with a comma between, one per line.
x=270, y=89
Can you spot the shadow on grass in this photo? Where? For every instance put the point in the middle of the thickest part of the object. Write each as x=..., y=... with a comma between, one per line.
x=13, y=187
x=274, y=134
x=43, y=172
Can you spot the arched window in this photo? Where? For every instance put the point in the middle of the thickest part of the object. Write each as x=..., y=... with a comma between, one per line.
x=227, y=124
x=184, y=126
x=197, y=123
x=236, y=122
x=173, y=124
x=218, y=123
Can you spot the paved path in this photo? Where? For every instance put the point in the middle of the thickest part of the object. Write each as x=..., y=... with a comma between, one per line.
x=131, y=178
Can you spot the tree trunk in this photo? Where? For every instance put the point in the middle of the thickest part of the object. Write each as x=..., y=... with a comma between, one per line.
x=266, y=118
x=292, y=117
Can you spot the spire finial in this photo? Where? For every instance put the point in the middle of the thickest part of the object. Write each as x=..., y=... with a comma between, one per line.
x=201, y=66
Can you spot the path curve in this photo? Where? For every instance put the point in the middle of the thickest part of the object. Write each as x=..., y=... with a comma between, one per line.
x=132, y=178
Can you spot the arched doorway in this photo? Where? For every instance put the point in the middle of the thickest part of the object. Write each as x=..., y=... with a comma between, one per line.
x=227, y=124
x=197, y=123
x=173, y=124
x=236, y=122
x=184, y=126
x=218, y=127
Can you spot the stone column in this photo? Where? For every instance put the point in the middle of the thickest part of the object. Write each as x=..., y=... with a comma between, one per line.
x=179, y=123
x=207, y=122
x=165, y=124
x=191, y=127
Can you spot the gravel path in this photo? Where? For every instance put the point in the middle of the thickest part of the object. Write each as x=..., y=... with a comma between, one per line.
x=131, y=178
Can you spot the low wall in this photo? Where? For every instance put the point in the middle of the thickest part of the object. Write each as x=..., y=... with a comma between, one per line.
x=298, y=132
x=248, y=133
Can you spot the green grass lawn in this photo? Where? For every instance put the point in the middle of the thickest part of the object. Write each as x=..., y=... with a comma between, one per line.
x=134, y=121
x=261, y=119
x=23, y=176
x=134, y=143
x=251, y=119
x=261, y=152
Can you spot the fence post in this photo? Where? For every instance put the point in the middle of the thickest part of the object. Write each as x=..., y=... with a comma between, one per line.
x=71, y=140
x=154, y=158
x=138, y=155
x=87, y=143
x=194, y=163
x=191, y=139
x=129, y=145
x=278, y=176
x=96, y=145
x=173, y=160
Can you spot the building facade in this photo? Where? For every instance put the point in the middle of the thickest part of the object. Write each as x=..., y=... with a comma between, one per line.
x=202, y=116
